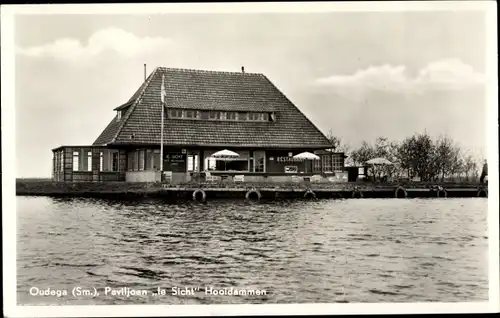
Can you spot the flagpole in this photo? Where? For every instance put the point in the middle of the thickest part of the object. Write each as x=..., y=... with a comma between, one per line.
x=163, y=92
x=161, y=142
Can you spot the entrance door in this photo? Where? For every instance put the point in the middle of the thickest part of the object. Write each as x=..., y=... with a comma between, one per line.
x=193, y=161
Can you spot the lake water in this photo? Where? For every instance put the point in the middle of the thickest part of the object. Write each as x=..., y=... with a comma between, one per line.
x=356, y=250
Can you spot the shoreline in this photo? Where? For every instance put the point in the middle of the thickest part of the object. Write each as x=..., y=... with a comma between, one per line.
x=200, y=191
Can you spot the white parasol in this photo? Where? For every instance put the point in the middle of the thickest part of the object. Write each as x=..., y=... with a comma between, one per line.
x=379, y=161
x=306, y=156
x=225, y=154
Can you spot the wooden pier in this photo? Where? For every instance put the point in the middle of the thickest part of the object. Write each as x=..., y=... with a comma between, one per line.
x=251, y=191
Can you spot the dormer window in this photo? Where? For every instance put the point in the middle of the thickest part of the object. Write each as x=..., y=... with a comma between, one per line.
x=258, y=116
x=214, y=115
x=175, y=113
x=118, y=115
x=190, y=114
x=211, y=115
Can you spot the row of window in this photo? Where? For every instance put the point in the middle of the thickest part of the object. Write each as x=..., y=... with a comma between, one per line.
x=327, y=163
x=144, y=159
x=219, y=115
x=148, y=159
x=84, y=163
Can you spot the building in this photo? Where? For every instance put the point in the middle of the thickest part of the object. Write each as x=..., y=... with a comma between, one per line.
x=205, y=111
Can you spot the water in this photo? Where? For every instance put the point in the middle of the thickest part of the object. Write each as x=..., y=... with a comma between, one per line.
x=325, y=251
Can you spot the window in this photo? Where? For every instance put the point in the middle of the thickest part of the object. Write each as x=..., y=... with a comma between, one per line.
x=190, y=114
x=258, y=116
x=175, y=113
x=316, y=165
x=215, y=115
x=219, y=115
x=89, y=161
x=118, y=115
x=327, y=162
x=192, y=162
x=136, y=161
x=101, y=161
x=62, y=160
x=205, y=115
x=149, y=159
x=141, y=160
x=130, y=161
x=156, y=159
x=114, y=161
x=259, y=159
x=242, y=116
x=75, y=160
x=331, y=162
x=337, y=162
x=253, y=116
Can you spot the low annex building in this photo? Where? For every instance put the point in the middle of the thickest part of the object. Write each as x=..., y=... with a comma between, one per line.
x=205, y=112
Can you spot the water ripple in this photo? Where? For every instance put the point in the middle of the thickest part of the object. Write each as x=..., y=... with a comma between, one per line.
x=324, y=251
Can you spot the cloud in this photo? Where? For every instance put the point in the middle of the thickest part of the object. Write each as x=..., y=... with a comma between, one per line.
x=115, y=40
x=447, y=74
x=450, y=73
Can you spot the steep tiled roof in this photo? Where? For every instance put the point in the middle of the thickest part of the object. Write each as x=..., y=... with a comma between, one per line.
x=141, y=122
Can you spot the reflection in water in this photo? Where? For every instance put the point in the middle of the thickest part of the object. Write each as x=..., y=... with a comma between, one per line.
x=298, y=251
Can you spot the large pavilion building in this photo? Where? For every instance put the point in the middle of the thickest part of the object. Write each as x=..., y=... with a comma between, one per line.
x=205, y=112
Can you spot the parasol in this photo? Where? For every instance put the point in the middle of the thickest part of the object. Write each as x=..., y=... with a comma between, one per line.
x=306, y=156
x=225, y=154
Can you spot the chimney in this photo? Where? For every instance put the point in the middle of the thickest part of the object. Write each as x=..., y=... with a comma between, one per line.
x=144, y=72
x=242, y=69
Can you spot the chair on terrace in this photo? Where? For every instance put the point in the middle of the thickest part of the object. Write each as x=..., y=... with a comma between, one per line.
x=239, y=178
x=316, y=178
x=210, y=178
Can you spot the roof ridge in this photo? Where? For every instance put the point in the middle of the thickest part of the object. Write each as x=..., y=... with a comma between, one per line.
x=132, y=108
x=192, y=70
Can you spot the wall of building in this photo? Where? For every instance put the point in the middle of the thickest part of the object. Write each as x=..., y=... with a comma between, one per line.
x=278, y=160
x=180, y=177
x=66, y=173
x=143, y=176
x=175, y=162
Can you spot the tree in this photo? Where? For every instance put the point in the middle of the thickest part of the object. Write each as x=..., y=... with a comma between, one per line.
x=470, y=166
x=404, y=158
x=337, y=144
x=457, y=164
x=381, y=148
x=416, y=155
x=363, y=153
x=443, y=156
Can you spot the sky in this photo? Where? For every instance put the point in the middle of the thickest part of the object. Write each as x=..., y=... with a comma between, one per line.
x=359, y=74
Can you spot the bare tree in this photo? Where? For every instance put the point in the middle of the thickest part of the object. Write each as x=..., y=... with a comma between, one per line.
x=469, y=165
x=443, y=156
x=338, y=145
x=419, y=155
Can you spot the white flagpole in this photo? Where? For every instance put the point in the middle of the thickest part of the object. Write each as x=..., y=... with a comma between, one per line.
x=162, y=118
